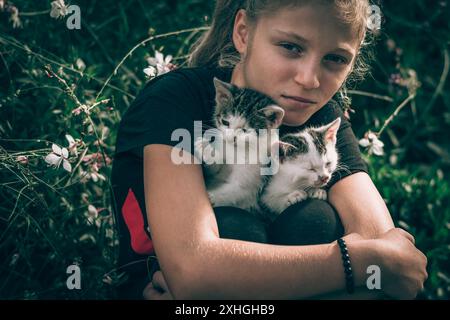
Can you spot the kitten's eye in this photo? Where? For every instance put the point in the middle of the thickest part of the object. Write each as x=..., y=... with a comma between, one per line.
x=225, y=122
x=244, y=130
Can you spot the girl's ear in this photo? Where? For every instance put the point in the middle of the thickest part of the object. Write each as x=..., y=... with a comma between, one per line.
x=224, y=92
x=241, y=32
x=274, y=115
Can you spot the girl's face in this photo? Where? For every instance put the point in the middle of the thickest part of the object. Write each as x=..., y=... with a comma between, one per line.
x=300, y=57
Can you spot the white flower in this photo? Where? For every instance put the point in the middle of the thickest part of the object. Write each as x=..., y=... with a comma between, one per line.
x=95, y=176
x=158, y=65
x=92, y=174
x=372, y=142
x=72, y=144
x=150, y=72
x=80, y=64
x=17, y=23
x=59, y=9
x=92, y=211
x=92, y=216
x=58, y=156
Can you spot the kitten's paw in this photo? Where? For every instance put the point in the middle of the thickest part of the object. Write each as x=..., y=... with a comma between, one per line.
x=296, y=196
x=203, y=149
x=318, y=194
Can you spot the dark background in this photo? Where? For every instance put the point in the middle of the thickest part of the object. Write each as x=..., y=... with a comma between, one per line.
x=45, y=221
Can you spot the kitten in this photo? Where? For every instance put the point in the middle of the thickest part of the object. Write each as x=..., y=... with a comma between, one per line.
x=239, y=116
x=308, y=159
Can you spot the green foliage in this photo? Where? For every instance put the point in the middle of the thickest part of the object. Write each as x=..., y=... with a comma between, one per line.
x=418, y=198
x=56, y=82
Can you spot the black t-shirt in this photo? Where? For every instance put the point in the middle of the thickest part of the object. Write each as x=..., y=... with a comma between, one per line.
x=168, y=102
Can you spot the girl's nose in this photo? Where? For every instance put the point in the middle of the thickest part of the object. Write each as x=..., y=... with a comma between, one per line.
x=308, y=75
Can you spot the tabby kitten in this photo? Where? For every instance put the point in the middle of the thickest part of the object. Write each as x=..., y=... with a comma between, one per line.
x=308, y=159
x=241, y=148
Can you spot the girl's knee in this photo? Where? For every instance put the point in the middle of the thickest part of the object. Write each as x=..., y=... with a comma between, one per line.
x=239, y=224
x=311, y=221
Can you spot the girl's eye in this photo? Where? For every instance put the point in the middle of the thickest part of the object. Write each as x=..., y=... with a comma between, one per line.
x=337, y=59
x=225, y=122
x=292, y=48
x=328, y=164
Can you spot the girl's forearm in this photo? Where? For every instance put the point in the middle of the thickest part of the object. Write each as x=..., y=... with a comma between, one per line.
x=234, y=269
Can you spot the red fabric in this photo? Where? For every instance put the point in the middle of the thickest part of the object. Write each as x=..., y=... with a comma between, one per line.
x=134, y=219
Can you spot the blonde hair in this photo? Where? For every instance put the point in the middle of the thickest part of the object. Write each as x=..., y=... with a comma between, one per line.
x=216, y=49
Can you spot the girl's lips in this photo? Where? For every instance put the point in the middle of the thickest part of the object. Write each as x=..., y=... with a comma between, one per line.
x=299, y=99
x=295, y=103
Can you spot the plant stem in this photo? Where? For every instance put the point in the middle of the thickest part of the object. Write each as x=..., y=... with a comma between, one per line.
x=395, y=113
x=371, y=95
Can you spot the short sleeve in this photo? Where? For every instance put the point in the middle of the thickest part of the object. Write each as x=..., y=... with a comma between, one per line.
x=167, y=103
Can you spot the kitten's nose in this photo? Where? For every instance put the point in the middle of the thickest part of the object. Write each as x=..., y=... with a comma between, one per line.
x=323, y=179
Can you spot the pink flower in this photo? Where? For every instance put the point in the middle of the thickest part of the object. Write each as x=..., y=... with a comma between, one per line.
x=22, y=159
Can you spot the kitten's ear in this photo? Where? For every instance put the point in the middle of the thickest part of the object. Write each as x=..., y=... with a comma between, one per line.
x=276, y=150
x=281, y=149
x=224, y=91
x=331, y=130
x=274, y=115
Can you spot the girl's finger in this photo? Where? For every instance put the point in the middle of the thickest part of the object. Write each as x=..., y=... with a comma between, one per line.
x=159, y=281
x=151, y=293
x=408, y=235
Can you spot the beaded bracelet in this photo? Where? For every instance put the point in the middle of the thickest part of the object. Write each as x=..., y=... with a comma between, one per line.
x=349, y=281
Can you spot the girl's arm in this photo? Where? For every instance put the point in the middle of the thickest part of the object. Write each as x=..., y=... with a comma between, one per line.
x=360, y=206
x=363, y=211
x=197, y=264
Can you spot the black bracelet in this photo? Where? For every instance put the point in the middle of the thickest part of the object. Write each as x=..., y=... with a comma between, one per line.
x=349, y=281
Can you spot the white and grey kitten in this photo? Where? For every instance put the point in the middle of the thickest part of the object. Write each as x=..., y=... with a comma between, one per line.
x=308, y=159
x=239, y=115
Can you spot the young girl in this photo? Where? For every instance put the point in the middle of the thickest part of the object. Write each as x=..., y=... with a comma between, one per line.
x=301, y=54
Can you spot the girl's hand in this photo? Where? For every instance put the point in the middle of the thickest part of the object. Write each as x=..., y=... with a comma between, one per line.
x=403, y=266
x=157, y=289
